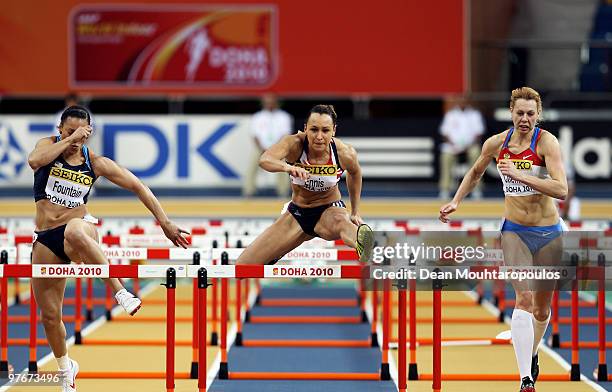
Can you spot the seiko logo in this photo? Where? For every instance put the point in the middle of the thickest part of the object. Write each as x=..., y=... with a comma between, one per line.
x=320, y=170
x=522, y=165
x=70, y=175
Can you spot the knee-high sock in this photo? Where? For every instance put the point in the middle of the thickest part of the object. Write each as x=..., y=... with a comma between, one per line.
x=63, y=363
x=539, y=329
x=522, y=340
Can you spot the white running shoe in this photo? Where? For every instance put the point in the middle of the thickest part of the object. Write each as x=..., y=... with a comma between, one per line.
x=69, y=377
x=128, y=301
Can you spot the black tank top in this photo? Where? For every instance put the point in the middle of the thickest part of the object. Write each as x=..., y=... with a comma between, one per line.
x=64, y=184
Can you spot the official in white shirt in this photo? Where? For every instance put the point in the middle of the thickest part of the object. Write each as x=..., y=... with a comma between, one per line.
x=268, y=126
x=461, y=130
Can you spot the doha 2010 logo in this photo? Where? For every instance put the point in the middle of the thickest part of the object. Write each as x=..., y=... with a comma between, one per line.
x=12, y=155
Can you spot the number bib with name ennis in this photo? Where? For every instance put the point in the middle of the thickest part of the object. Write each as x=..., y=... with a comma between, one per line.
x=321, y=177
x=527, y=161
x=64, y=184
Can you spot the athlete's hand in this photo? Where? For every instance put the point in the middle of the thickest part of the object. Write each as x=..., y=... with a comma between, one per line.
x=507, y=168
x=81, y=134
x=298, y=172
x=446, y=210
x=356, y=219
x=175, y=234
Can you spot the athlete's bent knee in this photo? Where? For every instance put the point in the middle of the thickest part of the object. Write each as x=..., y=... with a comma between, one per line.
x=524, y=300
x=541, y=313
x=50, y=318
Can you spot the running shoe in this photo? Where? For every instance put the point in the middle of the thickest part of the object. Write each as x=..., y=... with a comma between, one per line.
x=365, y=242
x=128, y=301
x=69, y=377
x=527, y=385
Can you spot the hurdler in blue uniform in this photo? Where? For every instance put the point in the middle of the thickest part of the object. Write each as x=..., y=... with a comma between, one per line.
x=65, y=170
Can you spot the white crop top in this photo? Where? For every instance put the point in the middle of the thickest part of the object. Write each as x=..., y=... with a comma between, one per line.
x=322, y=177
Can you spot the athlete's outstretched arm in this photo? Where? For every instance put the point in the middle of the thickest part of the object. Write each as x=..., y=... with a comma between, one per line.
x=124, y=178
x=469, y=182
x=273, y=159
x=46, y=149
x=556, y=185
x=348, y=158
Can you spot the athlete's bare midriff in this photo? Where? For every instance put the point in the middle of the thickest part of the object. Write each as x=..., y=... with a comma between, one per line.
x=307, y=199
x=533, y=210
x=49, y=215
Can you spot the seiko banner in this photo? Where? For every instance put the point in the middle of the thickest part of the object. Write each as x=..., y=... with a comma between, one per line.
x=215, y=151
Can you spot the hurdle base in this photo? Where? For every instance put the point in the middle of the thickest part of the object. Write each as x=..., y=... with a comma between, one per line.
x=384, y=372
x=193, y=374
x=413, y=373
x=238, y=340
x=364, y=316
x=32, y=367
x=214, y=339
x=223, y=371
x=374, y=339
x=78, y=338
x=502, y=316
x=89, y=315
x=247, y=316
x=108, y=315
x=602, y=372
x=4, y=369
x=480, y=299
x=556, y=341
x=575, y=372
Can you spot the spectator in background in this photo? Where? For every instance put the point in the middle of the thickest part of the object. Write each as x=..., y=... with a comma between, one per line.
x=461, y=130
x=268, y=126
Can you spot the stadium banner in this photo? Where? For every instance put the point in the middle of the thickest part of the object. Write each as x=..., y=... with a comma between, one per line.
x=231, y=47
x=173, y=46
x=163, y=151
x=188, y=151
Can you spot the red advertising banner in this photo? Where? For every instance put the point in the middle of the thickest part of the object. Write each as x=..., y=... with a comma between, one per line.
x=192, y=46
x=234, y=47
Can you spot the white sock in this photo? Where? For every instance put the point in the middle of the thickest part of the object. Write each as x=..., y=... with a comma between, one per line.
x=522, y=339
x=63, y=363
x=539, y=329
